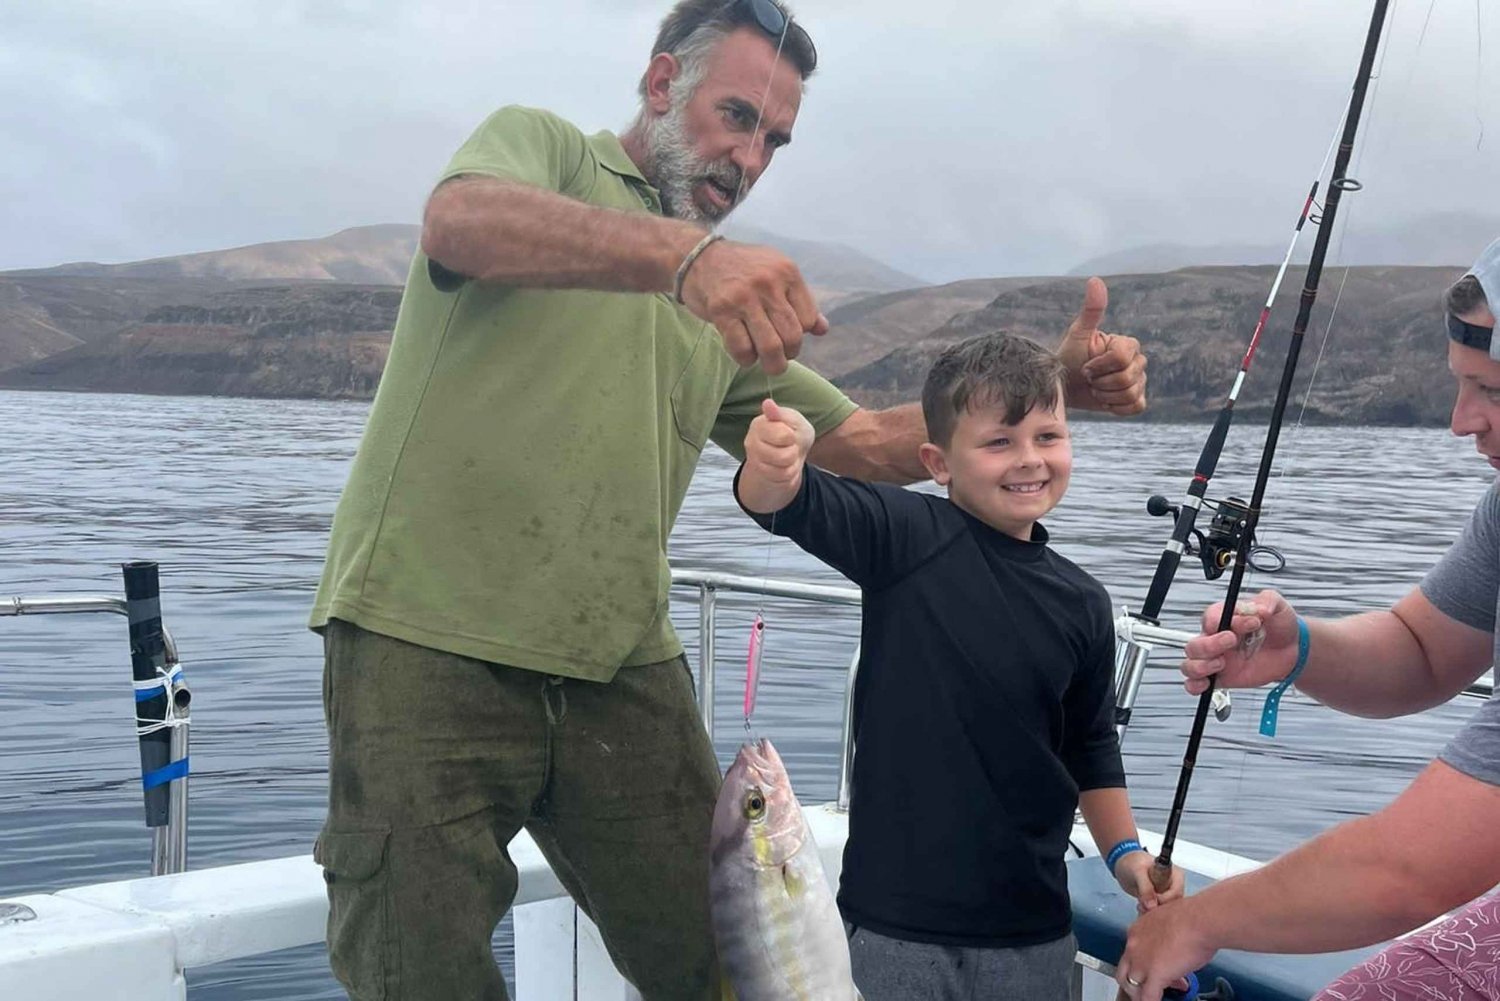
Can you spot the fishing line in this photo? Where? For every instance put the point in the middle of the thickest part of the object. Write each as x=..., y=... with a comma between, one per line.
x=1294, y=438
x=1349, y=218
x=1247, y=515
x=1478, y=69
x=1183, y=533
x=1232, y=846
x=1345, y=223
x=758, y=628
x=756, y=647
x=1374, y=110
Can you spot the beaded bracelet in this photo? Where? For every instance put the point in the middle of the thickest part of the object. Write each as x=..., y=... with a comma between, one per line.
x=687, y=262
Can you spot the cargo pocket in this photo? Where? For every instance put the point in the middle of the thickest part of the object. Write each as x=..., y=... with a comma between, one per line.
x=359, y=923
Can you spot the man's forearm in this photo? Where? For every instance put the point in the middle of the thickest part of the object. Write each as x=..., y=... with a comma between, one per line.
x=517, y=234
x=875, y=446
x=1366, y=880
x=1343, y=890
x=1370, y=665
x=1362, y=665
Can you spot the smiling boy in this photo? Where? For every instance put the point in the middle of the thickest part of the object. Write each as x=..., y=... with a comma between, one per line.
x=984, y=702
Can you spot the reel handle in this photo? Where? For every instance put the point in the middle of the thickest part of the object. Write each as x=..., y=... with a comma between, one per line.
x=1193, y=992
x=1221, y=991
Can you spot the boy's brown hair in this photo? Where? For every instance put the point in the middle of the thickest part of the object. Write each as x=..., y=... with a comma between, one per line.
x=989, y=370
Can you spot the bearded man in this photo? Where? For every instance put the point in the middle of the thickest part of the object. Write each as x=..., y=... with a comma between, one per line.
x=498, y=652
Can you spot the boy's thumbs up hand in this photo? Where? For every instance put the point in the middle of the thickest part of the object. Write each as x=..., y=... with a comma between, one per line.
x=775, y=450
x=779, y=438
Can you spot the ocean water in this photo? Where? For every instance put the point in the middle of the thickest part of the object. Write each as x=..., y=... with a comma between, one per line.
x=233, y=498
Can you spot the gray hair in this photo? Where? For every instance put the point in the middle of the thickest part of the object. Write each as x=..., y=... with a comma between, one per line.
x=692, y=56
x=693, y=27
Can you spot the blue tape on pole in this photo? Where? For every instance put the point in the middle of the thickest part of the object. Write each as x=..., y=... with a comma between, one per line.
x=176, y=770
x=146, y=694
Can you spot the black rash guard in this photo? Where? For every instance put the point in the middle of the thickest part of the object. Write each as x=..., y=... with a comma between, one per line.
x=983, y=705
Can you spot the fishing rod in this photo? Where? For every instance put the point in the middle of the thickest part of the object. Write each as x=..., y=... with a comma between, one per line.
x=1230, y=539
x=1216, y=548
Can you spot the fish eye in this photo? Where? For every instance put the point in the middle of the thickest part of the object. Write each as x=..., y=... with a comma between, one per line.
x=755, y=805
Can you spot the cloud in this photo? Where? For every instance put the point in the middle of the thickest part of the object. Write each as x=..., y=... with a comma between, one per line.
x=950, y=138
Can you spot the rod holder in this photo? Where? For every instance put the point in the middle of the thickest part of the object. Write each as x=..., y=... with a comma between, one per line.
x=162, y=702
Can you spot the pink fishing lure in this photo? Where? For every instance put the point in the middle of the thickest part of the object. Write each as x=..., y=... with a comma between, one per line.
x=752, y=664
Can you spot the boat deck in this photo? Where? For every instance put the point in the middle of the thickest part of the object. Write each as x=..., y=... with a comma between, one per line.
x=134, y=940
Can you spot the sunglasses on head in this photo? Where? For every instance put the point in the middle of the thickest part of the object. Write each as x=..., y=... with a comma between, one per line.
x=1470, y=335
x=771, y=19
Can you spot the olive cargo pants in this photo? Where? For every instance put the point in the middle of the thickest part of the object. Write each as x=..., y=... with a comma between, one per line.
x=436, y=761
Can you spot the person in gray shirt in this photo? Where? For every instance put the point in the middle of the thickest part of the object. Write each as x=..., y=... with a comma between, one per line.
x=1437, y=846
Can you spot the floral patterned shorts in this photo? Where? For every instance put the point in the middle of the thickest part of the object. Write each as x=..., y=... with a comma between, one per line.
x=1455, y=960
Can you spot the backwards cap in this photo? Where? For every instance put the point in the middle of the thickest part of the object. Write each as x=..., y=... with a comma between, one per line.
x=1487, y=271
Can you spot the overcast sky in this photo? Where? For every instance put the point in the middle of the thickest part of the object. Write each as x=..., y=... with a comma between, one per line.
x=950, y=138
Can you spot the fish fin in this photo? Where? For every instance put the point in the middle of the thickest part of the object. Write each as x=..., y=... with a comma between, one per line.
x=793, y=881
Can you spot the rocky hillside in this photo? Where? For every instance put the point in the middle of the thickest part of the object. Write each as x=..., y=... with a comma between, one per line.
x=43, y=315
x=1385, y=360
x=1438, y=239
x=307, y=340
x=365, y=255
x=50, y=310
x=872, y=326
x=837, y=273
x=381, y=255
x=324, y=339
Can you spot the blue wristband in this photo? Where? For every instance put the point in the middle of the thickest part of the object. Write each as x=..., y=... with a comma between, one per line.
x=1273, y=698
x=1120, y=850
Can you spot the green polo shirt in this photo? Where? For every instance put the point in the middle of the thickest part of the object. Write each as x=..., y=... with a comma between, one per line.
x=528, y=449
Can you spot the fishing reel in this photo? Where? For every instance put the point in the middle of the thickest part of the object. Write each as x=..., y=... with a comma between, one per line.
x=1221, y=991
x=1217, y=546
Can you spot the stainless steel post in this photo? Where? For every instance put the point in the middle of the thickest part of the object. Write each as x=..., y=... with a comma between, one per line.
x=706, y=601
x=177, y=823
x=1130, y=668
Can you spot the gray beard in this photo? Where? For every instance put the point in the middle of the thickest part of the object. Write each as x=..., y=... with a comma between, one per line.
x=674, y=168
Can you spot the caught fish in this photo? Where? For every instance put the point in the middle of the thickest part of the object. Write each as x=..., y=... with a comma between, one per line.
x=778, y=929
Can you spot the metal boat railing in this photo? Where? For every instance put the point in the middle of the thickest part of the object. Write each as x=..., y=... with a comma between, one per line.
x=1136, y=640
x=169, y=842
x=709, y=585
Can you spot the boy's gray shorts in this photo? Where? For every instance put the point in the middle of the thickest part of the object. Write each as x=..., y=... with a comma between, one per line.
x=889, y=969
